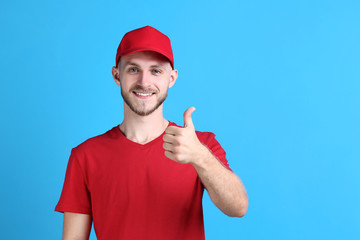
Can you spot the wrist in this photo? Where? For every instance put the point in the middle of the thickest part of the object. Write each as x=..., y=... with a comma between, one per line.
x=203, y=157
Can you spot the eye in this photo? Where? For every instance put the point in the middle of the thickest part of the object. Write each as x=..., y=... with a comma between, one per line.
x=156, y=71
x=133, y=70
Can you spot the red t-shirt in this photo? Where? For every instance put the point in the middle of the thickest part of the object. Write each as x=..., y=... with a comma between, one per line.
x=134, y=191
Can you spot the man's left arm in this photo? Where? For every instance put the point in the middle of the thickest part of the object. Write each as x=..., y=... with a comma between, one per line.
x=225, y=188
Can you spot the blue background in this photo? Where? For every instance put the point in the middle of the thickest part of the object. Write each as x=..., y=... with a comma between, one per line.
x=277, y=81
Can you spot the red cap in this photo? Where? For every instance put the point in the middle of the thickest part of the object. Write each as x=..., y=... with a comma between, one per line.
x=145, y=39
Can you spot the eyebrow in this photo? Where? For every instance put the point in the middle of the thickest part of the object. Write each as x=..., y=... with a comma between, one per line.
x=132, y=64
x=157, y=66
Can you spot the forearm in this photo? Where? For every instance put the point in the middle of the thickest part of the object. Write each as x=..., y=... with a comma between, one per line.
x=225, y=188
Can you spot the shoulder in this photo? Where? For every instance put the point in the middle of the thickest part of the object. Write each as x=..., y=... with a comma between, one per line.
x=205, y=137
x=98, y=141
x=208, y=138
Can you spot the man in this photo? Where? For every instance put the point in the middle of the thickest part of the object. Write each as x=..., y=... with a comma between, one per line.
x=144, y=179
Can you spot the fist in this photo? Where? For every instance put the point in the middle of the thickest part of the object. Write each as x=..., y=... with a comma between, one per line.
x=181, y=144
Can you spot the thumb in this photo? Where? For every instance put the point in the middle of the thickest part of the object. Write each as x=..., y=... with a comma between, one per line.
x=187, y=117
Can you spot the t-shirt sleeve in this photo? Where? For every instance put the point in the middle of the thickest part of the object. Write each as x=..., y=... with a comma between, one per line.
x=75, y=196
x=216, y=149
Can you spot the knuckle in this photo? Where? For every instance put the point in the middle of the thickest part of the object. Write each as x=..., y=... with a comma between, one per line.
x=176, y=149
x=177, y=158
x=181, y=141
x=176, y=142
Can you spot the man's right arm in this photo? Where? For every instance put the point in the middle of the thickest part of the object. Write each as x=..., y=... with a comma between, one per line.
x=77, y=226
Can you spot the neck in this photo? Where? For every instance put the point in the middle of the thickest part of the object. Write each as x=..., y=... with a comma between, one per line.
x=143, y=129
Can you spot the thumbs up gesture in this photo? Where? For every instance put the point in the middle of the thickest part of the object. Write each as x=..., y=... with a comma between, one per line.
x=181, y=144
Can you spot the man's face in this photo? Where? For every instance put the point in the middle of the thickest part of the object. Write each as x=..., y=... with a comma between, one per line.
x=145, y=78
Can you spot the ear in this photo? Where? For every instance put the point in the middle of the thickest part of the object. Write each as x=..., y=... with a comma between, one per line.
x=116, y=75
x=173, y=77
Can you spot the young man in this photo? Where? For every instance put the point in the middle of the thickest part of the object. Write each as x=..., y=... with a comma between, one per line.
x=144, y=179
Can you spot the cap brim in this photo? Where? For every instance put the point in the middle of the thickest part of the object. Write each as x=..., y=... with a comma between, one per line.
x=145, y=49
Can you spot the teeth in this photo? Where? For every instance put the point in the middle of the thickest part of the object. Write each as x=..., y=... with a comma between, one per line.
x=143, y=94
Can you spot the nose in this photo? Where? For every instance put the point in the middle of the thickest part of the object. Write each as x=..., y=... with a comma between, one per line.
x=144, y=79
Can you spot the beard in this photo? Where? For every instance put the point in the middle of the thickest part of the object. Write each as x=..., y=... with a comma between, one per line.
x=140, y=107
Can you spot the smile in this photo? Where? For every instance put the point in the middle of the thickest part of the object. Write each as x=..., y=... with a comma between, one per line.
x=143, y=94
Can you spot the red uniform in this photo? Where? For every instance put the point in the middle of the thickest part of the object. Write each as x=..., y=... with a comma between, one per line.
x=134, y=191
